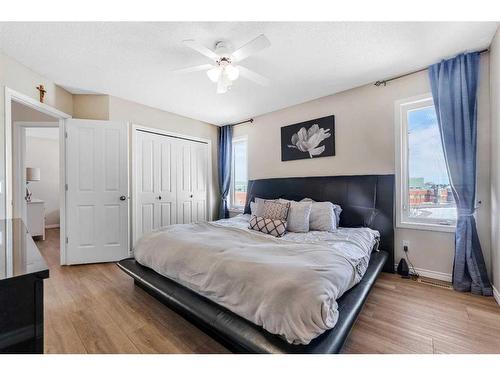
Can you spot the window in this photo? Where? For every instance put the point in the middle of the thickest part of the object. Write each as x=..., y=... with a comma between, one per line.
x=425, y=199
x=239, y=179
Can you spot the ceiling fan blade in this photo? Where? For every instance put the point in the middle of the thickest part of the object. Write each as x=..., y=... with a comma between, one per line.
x=250, y=48
x=252, y=76
x=197, y=68
x=201, y=49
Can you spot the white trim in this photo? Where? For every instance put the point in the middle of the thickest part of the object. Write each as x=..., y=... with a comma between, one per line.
x=133, y=138
x=443, y=276
x=496, y=294
x=401, y=161
x=51, y=226
x=10, y=96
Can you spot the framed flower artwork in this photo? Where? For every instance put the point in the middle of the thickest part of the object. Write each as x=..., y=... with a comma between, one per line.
x=308, y=139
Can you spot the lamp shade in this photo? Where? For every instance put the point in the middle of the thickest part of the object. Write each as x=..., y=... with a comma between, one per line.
x=32, y=174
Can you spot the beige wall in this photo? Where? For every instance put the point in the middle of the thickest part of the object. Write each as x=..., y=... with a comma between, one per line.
x=495, y=160
x=22, y=79
x=92, y=107
x=364, y=130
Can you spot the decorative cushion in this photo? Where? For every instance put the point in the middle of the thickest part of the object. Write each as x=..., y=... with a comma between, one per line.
x=257, y=207
x=298, y=216
x=276, y=228
x=336, y=208
x=275, y=210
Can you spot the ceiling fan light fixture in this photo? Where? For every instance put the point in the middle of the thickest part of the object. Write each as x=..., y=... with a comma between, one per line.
x=232, y=72
x=214, y=74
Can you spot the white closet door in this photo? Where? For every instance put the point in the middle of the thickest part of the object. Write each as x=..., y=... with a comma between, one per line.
x=145, y=175
x=97, y=192
x=166, y=205
x=192, y=179
x=184, y=182
x=155, y=183
x=199, y=172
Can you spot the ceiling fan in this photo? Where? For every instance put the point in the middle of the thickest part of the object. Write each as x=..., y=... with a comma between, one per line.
x=224, y=70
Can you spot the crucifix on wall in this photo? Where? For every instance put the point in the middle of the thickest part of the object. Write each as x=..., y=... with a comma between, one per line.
x=42, y=90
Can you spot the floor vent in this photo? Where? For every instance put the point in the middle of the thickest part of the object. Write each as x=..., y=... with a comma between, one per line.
x=436, y=283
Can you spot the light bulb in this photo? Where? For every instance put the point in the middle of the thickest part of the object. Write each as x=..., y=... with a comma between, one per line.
x=214, y=74
x=232, y=72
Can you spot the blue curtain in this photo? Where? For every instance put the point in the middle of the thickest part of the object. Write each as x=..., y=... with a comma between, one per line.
x=454, y=87
x=224, y=165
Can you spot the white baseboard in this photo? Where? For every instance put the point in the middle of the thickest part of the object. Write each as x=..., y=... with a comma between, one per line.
x=431, y=274
x=496, y=294
x=51, y=226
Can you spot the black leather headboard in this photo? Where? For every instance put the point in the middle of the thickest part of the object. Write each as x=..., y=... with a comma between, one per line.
x=366, y=201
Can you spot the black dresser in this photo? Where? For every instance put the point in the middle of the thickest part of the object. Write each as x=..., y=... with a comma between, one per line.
x=22, y=271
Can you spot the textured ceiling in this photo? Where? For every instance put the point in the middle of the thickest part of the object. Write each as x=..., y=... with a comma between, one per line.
x=306, y=60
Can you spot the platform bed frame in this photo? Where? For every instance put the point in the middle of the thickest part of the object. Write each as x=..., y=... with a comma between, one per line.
x=366, y=201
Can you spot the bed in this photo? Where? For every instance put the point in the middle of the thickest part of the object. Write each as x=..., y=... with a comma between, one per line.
x=367, y=202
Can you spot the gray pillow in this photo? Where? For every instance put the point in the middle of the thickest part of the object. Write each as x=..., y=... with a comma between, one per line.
x=322, y=216
x=336, y=208
x=298, y=216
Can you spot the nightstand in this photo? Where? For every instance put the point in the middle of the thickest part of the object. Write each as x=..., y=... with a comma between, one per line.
x=36, y=217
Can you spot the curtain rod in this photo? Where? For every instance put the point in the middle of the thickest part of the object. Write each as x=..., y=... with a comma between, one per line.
x=384, y=81
x=242, y=122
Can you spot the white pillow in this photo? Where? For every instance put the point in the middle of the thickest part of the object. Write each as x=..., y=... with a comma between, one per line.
x=336, y=208
x=298, y=216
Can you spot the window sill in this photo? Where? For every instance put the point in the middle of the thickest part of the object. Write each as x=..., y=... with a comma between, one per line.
x=426, y=226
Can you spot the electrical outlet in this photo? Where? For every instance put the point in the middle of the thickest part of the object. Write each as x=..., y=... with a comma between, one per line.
x=406, y=244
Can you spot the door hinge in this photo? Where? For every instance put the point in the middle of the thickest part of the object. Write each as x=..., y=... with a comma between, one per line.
x=67, y=240
x=65, y=134
x=66, y=187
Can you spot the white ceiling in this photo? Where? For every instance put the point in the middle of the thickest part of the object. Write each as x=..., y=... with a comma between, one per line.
x=306, y=60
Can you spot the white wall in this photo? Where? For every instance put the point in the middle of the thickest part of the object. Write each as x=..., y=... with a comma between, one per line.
x=42, y=151
x=364, y=131
x=495, y=161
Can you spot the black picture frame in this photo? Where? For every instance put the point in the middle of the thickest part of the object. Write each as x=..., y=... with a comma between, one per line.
x=294, y=140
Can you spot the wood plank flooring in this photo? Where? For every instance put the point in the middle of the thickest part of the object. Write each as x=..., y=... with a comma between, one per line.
x=97, y=309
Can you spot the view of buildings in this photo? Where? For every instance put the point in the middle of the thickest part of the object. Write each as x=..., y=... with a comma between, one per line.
x=431, y=200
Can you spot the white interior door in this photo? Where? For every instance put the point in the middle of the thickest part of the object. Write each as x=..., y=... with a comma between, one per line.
x=192, y=177
x=97, y=191
x=156, y=190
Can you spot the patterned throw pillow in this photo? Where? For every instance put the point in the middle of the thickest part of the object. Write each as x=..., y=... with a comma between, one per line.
x=257, y=207
x=276, y=228
x=275, y=210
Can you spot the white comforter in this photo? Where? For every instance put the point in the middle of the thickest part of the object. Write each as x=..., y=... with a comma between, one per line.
x=288, y=285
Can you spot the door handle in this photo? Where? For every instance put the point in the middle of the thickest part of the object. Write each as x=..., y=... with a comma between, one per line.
x=123, y=197
x=159, y=197
x=191, y=196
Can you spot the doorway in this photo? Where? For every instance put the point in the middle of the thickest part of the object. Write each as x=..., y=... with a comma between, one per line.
x=93, y=182
x=21, y=108
x=36, y=194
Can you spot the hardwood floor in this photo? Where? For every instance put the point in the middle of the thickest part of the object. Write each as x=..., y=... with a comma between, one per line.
x=96, y=309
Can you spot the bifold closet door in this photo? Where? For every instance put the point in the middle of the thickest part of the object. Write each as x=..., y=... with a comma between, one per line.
x=156, y=201
x=192, y=181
